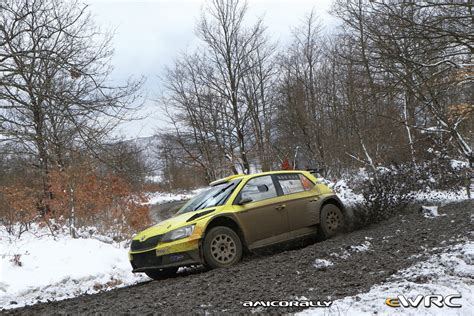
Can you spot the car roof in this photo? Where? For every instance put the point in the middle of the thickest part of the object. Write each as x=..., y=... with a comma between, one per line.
x=246, y=176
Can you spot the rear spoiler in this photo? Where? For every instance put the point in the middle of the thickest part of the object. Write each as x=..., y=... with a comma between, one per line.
x=315, y=172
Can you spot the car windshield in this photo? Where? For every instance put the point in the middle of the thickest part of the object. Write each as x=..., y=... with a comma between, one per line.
x=214, y=196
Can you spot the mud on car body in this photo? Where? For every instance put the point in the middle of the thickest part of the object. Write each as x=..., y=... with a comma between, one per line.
x=237, y=213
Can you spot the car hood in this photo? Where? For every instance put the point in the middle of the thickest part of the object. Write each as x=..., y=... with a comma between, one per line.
x=174, y=222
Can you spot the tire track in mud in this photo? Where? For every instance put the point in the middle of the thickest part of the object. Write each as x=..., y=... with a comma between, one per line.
x=360, y=259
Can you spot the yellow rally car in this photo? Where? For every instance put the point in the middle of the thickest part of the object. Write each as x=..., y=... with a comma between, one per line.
x=237, y=213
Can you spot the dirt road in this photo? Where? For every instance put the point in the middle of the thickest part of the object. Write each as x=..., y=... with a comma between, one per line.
x=360, y=259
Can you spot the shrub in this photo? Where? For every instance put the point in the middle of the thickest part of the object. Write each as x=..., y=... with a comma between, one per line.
x=440, y=173
x=389, y=189
x=79, y=196
x=84, y=197
x=384, y=192
x=18, y=207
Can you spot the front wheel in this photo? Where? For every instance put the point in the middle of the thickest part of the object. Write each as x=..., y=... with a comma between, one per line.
x=222, y=247
x=160, y=274
x=332, y=221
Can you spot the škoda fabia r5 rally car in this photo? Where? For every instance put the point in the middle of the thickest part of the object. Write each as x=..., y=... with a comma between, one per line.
x=237, y=213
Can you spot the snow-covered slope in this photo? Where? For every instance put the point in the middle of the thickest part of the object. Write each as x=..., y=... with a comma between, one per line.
x=49, y=268
x=450, y=272
x=349, y=197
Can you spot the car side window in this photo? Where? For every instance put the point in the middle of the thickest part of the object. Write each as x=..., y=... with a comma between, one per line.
x=260, y=188
x=294, y=183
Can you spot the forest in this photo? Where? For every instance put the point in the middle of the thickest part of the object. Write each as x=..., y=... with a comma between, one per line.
x=390, y=90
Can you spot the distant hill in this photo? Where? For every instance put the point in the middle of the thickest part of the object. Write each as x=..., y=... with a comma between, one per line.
x=148, y=148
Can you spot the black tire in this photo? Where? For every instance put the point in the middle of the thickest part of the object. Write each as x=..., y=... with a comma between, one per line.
x=222, y=247
x=332, y=221
x=160, y=274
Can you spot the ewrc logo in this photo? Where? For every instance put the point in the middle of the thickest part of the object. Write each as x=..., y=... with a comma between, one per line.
x=287, y=303
x=428, y=300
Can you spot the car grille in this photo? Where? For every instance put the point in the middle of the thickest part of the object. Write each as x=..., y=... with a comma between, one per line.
x=146, y=244
x=145, y=259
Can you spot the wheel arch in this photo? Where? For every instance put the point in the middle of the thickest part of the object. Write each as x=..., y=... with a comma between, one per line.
x=229, y=222
x=334, y=200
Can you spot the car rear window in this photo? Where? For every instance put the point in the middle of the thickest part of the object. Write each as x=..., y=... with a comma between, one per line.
x=294, y=183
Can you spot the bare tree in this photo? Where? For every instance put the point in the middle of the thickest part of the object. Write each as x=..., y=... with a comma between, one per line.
x=54, y=81
x=394, y=81
x=217, y=99
x=426, y=48
x=229, y=44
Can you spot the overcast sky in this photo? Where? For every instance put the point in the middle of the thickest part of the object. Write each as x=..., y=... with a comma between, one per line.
x=150, y=34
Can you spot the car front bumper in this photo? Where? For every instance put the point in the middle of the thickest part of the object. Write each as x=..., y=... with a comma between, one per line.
x=179, y=253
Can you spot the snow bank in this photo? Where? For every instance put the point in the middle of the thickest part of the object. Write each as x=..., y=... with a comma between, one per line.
x=443, y=197
x=38, y=267
x=447, y=273
x=165, y=197
x=50, y=268
x=349, y=197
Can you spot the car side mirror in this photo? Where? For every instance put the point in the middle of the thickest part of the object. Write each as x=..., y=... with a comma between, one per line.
x=244, y=200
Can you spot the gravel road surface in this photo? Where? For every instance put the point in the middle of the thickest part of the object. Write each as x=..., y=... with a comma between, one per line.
x=360, y=259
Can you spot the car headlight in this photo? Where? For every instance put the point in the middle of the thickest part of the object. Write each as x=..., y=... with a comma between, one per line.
x=179, y=233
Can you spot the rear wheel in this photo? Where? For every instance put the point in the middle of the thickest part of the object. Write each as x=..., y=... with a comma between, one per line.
x=222, y=247
x=332, y=220
x=160, y=274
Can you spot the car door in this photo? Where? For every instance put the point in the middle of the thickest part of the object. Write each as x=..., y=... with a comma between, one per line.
x=300, y=199
x=264, y=219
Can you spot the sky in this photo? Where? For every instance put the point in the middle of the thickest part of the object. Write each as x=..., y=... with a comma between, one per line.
x=150, y=34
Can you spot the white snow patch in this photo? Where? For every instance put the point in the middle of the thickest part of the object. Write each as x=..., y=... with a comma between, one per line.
x=459, y=164
x=322, y=264
x=362, y=247
x=154, y=178
x=442, y=196
x=344, y=192
x=165, y=197
x=446, y=273
x=56, y=268
x=342, y=255
x=430, y=211
x=350, y=198
x=346, y=253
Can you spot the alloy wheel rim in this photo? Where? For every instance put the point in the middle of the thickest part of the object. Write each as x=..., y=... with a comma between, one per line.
x=223, y=248
x=333, y=220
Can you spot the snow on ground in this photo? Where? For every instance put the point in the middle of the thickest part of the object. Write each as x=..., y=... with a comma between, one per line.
x=442, y=197
x=346, y=253
x=349, y=197
x=165, y=197
x=320, y=264
x=59, y=268
x=361, y=248
x=430, y=211
x=447, y=273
